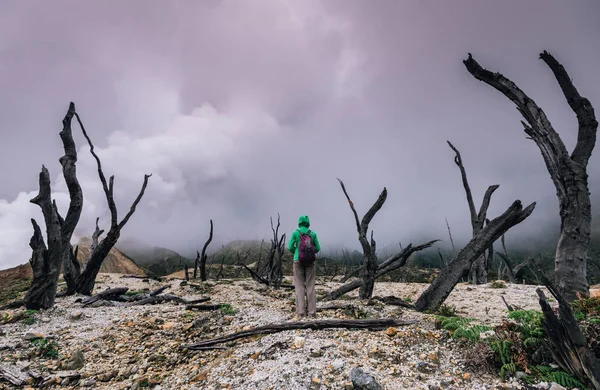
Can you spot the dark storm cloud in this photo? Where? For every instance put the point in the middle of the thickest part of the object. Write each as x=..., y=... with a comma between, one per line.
x=245, y=109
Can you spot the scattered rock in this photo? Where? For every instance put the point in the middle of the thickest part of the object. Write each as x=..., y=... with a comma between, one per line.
x=338, y=364
x=363, y=381
x=76, y=361
x=556, y=386
x=33, y=336
x=76, y=316
x=299, y=342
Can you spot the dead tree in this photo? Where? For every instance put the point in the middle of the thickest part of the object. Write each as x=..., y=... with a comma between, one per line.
x=568, y=172
x=391, y=264
x=443, y=285
x=276, y=252
x=99, y=250
x=46, y=262
x=369, y=248
x=201, y=259
x=510, y=271
x=478, y=272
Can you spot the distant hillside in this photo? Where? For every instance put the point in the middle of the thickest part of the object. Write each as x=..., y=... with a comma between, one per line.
x=14, y=282
x=116, y=261
x=155, y=261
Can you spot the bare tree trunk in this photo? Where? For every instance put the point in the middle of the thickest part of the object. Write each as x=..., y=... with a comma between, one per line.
x=46, y=262
x=443, y=285
x=568, y=172
x=478, y=270
x=68, y=225
x=369, y=248
x=566, y=341
x=508, y=267
x=86, y=281
x=196, y=264
x=203, y=256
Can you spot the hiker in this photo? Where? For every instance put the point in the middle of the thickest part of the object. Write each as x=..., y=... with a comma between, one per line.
x=305, y=245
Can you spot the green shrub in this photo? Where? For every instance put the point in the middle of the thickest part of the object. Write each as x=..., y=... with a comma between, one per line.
x=30, y=318
x=46, y=348
x=446, y=310
x=228, y=309
x=498, y=284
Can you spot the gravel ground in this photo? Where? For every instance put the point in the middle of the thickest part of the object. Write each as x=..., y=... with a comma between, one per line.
x=137, y=347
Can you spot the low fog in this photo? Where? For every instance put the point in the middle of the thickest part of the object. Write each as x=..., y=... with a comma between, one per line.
x=242, y=110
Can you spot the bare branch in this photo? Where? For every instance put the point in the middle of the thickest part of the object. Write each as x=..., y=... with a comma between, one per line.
x=588, y=125
x=449, y=235
x=351, y=206
x=465, y=181
x=486, y=202
x=135, y=202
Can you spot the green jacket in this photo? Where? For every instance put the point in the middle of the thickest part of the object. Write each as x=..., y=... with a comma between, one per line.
x=303, y=225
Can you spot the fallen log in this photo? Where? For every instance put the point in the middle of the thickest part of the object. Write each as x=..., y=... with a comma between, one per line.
x=335, y=307
x=204, y=307
x=18, y=376
x=152, y=300
x=394, y=301
x=13, y=305
x=371, y=324
x=105, y=295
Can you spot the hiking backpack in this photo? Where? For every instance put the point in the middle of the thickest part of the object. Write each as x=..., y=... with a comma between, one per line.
x=306, y=249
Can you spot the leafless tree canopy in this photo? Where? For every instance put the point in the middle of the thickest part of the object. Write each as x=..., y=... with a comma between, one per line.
x=87, y=279
x=568, y=172
x=478, y=272
x=368, y=247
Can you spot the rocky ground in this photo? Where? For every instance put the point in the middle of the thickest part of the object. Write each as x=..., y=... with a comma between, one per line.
x=138, y=347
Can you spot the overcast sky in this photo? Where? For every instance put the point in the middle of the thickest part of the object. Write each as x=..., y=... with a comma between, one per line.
x=242, y=109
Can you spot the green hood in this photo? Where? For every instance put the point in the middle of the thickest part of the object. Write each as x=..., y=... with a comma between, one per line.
x=303, y=225
x=303, y=221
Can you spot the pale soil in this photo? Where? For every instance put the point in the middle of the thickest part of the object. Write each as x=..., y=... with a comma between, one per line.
x=129, y=347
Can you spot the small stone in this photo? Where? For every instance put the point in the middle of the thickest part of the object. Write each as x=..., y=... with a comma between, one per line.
x=76, y=316
x=338, y=364
x=363, y=381
x=255, y=355
x=168, y=325
x=467, y=376
x=45, y=319
x=299, y=342
x=391, y=331
x=556, y=386
x=426, y=368
x=76, y=361
x=33, y=336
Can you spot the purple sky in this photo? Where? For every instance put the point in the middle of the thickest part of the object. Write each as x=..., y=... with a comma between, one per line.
x=242, y=109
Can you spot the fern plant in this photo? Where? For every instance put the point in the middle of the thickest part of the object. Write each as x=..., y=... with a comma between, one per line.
x=550, y=374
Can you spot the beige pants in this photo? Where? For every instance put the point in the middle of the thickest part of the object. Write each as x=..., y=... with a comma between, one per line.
x=304, y=282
